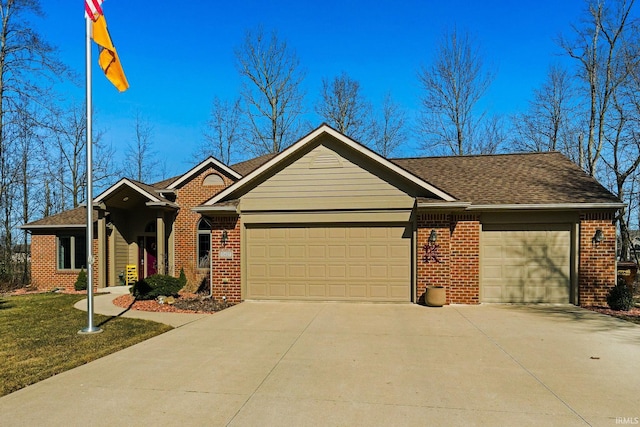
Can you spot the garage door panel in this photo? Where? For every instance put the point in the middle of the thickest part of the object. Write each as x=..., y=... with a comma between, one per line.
x=296, y=251
x=297, y=290
x=337, y=291
x=526, y=263
x=358, y=291
x=378, y=251
x=335, y=263
x=317, y=290
x=337, y=251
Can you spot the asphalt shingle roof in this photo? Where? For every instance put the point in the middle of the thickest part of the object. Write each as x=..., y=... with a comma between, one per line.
x=72, y=217
x=531, y=178
x=248, y=166
x=503, y=179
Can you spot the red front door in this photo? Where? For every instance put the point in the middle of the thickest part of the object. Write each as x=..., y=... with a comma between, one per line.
x=147, y=256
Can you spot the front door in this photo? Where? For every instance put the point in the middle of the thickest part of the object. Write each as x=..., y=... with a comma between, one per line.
x=147, y=256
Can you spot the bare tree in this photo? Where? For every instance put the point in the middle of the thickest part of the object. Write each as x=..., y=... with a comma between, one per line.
x=223, y=132
x=490, y=136
x=28, y=67
x=452, y=87
x=549, y=123
x=141, y=160
x=389, y=131
x=65, y=159
x=271, y=91
x=343, y=106
x=599, y=47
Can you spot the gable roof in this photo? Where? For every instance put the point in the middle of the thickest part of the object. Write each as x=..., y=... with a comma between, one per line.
x=147, y=191
x=198, y=168
x=511, y=179
x=325, y=129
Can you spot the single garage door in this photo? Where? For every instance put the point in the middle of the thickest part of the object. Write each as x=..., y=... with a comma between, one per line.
x=526, y=263
x=356, y=263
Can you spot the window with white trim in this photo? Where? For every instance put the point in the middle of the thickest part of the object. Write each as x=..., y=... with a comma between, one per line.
x=204, y=243
x=72, y=252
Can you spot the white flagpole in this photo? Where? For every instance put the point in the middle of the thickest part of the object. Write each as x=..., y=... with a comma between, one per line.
x=90, y=329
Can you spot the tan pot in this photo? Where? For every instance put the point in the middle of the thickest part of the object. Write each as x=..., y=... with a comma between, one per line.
x=435, y=296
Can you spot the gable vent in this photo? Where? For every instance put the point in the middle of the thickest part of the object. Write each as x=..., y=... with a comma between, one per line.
x=326, y=161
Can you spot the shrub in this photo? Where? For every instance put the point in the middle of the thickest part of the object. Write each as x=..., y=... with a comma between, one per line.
x=182, y=279
x=81, y=281
x=620, y=297
x=156, y=285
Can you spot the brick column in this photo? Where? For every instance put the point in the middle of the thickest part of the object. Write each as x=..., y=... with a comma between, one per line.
x=433, y=260
x=597, y=264
x=226, y=259
x=465, y=259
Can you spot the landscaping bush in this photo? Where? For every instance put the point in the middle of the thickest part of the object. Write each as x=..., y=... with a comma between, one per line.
x=620, y=297
x=156, y=285
x=182, y=278
x=81, y=281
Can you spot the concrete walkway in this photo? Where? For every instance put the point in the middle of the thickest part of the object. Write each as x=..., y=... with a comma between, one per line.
x=332, y=364
x=103, y=304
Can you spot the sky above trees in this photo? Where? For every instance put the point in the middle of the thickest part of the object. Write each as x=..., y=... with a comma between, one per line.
x=178, y=58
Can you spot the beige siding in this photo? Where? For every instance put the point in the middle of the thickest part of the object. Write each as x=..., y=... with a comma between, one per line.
x=121, y=253
x=361, y=263
x=324, y=179
x=526, y=263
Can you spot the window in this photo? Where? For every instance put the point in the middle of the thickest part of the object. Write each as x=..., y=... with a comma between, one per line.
x=213, y=179
x=204, y=243
x=72, y=252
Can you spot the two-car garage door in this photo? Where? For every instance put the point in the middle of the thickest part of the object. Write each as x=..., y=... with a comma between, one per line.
x=526, y=263
x=338, y=262
x=521, y=263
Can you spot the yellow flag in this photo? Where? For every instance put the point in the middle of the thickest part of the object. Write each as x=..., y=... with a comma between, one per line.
x=108, y=58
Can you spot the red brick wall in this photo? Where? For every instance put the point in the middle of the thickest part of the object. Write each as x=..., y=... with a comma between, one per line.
x=597, y=264
x=465, y=259
x=45, y=275
x=226, y=272
x=433, y=264
x=457, y=252
x=190, y=195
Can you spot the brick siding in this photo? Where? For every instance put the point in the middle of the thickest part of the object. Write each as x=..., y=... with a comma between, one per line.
x=226, y=271
x=454, y=261
x=597, y=267
x=46, y=276
x=188, y=196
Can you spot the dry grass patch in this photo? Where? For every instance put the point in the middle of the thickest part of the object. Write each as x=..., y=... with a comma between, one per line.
x=39, y=337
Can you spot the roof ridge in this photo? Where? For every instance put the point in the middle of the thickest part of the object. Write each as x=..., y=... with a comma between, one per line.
x=524, y=153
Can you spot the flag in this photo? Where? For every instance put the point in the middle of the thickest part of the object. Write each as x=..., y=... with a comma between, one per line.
x=93, y=8
x=108, y=57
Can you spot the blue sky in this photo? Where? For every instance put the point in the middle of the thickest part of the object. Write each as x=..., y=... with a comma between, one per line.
x=179, y=55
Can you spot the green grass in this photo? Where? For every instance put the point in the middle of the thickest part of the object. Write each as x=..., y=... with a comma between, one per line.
x=39, y=337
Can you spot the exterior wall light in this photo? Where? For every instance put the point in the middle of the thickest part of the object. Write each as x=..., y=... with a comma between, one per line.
x=598, y=236
x=433, y=236
x=224, y=238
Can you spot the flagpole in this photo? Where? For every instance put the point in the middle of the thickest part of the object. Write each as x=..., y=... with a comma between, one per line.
x=90, y=329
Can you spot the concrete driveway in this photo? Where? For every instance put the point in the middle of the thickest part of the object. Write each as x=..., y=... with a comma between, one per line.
x=296, y=364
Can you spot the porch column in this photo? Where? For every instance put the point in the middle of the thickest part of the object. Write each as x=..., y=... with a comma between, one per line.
x=160, y=242
x=102, y=250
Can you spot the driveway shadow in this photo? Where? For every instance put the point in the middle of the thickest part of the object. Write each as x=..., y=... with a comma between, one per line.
x=586, y=320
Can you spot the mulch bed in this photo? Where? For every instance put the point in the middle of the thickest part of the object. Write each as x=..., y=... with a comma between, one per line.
x=633, y=315
x=185, y=303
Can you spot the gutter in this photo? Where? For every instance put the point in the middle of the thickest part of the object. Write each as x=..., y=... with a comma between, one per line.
x=549, y=206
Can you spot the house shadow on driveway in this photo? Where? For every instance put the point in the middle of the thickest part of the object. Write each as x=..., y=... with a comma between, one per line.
x=577, y=319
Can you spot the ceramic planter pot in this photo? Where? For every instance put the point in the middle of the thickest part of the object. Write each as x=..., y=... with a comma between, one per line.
x=435, y=296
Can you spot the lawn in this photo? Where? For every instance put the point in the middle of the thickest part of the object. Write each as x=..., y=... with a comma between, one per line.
x=39, y=337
